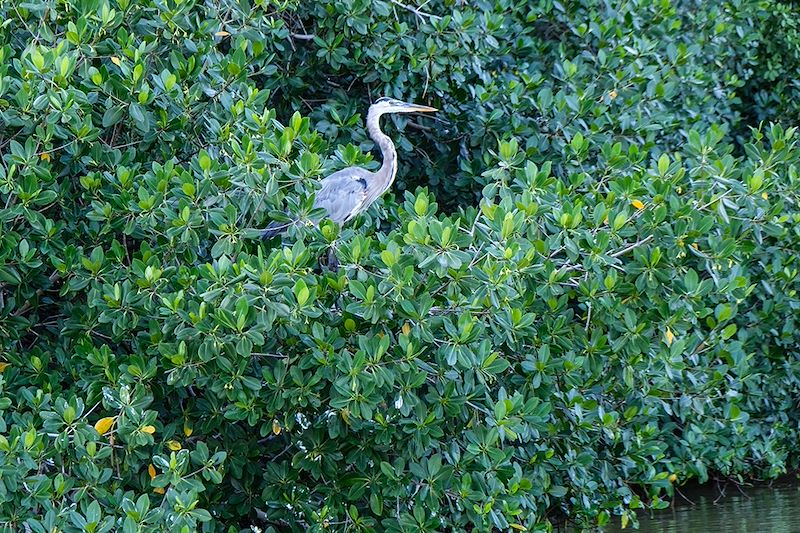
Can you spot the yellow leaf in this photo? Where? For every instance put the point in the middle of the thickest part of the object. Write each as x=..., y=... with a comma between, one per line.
x=637, y=204
x=624, y=521
x=104, y=424
x=669, y=336
x=158, y=490
x=612, y=94
x=276, y=427
x=406, y=328
x=3, y=366
x=222, y=33
x=519, y=527
x=151, y=471
x=117, y=61
x=149, y=429
x=45, y=156
x=764, y=195
x=673, y=478
x=174, y=445
x=187, y=431
x=694, y=245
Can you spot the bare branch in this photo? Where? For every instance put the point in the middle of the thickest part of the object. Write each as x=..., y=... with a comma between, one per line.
x=632, y=246
x=416, y=10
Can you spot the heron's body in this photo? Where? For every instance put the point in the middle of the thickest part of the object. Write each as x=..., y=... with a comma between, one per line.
x=350, y=191
x=343, y=194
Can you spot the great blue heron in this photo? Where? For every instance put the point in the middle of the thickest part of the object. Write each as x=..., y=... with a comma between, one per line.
x=350, y=191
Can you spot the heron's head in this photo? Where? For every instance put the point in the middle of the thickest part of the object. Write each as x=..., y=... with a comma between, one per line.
x=390, y=105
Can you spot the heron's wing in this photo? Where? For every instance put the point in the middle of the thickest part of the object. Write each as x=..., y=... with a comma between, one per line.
x=343, y=193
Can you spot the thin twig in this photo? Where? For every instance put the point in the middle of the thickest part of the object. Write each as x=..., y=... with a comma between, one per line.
x=416, y=11
x=416, y=126
x=53, y=277
x=717, y=199
x=479, y=408
x=92, y=409
x=632, y=246
x=57, y=148
x=588, y=317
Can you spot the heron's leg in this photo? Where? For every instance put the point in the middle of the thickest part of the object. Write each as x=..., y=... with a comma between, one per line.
x=333, y=261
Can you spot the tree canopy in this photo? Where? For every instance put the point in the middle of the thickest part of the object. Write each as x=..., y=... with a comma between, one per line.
x=581, y=292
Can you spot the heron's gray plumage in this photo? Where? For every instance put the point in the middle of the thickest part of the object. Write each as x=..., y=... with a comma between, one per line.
x=350, y=191
x=343, y=193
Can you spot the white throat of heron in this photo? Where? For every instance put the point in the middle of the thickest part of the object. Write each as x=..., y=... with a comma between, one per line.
x=384, y=177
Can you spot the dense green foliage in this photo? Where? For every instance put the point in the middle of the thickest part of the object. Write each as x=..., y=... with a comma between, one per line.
x=584, y=291
x=773, y=88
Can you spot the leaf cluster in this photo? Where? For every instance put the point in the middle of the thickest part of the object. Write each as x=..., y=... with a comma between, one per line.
x=584, y=292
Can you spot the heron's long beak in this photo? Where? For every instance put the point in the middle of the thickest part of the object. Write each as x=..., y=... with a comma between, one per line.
x=416, y=108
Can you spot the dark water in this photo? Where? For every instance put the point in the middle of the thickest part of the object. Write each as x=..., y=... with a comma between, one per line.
x=753, y=510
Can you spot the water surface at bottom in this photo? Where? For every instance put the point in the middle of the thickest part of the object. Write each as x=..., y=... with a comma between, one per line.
x=765, y=509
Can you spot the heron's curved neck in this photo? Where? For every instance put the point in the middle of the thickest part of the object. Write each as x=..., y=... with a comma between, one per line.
x=385, y=175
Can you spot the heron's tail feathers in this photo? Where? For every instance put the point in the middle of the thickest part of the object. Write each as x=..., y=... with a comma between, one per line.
x=273, y=229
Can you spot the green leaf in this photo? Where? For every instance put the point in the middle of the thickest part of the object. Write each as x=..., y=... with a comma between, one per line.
x=663, y=164
x=112, y=116
x=139, y=116
x=729, y=331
